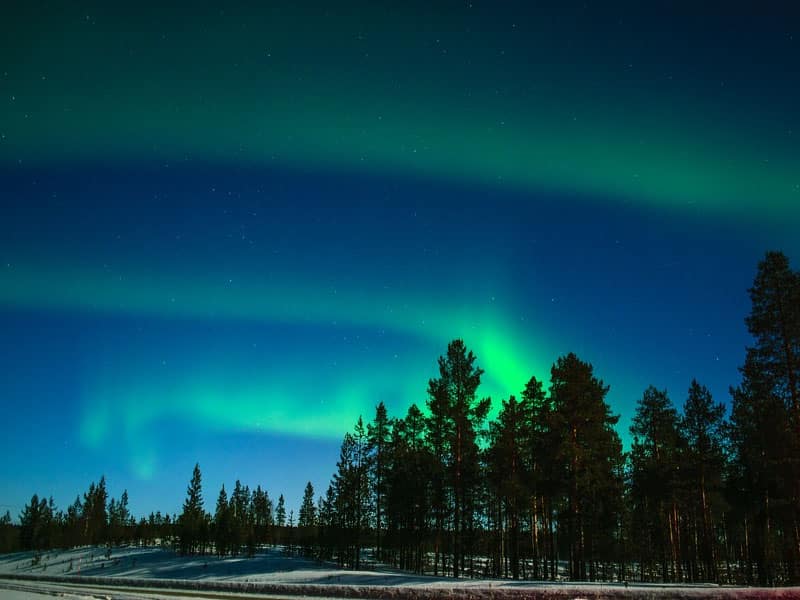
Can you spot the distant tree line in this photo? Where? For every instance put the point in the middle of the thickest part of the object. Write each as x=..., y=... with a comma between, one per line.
x=94, y=519
x=239, y=525
x=544, y=491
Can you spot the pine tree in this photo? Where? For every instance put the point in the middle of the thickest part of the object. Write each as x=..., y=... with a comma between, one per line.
x=32, y=524
x=703, y=427
x=222, y=523
x=280, y=512
x=774, y=323
x=100, y=513
x=378, y=438
x=118, y=516
x=124, y=512
x=589, y=452
x=191, y=522
x=9, y=538
x=307, y=519
x=329, y=524
x=760, y=437
x=538, y=440
x=453, y=396
x=73, y=528
x=262, y=513
x=656, y=456
x=765, y=425
x=438, y=435
x=351, y=488
x=407, y=504
x=423, y=464
x=95, y=515
x=508, y=478
x=307, y=514
x=239, y=518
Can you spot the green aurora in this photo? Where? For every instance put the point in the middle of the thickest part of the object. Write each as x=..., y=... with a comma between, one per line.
x=509, y=360
x=398, y=98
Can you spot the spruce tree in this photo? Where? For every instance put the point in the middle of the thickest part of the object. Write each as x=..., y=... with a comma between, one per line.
x=307, y=519
x=192, y=519
x=222, y=523
x=280, y=512
x=307, y=514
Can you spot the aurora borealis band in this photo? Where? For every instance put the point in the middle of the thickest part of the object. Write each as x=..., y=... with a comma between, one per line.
x=225, y=232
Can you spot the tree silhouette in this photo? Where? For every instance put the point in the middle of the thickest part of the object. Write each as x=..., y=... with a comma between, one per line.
x=703, y=429
x=453, y=396
x=222, y=523
x=589, y=453
x=765, y=426
x=656, y=455
x=191, y=523
x=378, y=439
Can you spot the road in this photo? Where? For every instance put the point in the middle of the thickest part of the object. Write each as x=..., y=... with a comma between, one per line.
x=36, y=590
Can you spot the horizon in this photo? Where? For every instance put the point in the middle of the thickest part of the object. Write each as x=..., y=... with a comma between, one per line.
x=224, y=235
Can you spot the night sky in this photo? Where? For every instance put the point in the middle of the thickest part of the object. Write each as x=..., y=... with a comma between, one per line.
x=225, y=232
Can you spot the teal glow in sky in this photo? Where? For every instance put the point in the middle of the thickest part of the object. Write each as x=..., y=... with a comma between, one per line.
x=226, y=233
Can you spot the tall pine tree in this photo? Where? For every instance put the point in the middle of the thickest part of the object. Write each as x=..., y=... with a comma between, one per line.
x=765, y=426
x=378, y=438
x=307, y=517
x=703, y=428
x=589, y=453
x=222, y=523
x=454, y=393
x=191, y=522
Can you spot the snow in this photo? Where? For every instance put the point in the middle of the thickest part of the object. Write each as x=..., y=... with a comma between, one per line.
x=273, y=572
x=270, y=565
x=18, y=595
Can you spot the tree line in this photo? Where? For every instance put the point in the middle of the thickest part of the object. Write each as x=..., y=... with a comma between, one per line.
x=543, y=491
x=245, y=521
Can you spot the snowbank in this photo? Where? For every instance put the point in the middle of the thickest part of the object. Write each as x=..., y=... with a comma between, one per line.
x=277, y=574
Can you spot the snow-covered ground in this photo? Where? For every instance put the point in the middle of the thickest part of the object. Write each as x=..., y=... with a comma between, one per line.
x=271, y=571
x=270, y=565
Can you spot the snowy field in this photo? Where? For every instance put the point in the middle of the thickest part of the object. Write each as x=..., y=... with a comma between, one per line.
x=272, y=572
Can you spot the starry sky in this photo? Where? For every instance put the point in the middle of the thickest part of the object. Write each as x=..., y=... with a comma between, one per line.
x=226, y=232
